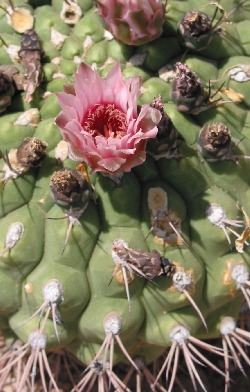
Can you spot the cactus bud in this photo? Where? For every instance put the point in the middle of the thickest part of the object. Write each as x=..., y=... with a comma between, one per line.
x=30, y=55
x=69, y=189
x=164, y=144
x=187, y=91
x=135, y=22
x=195, y=30
x=31, y=152
x=214, y=142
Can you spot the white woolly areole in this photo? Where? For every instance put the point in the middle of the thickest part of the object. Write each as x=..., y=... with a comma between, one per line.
x=37, y=339
x=118, y=242
x=109, y=61
x=20, y=19
x=107, y=35
x=14, y=233
x=227, y=325
x=143, y=90
x=167, y=73
x=29, y=117
x=71, y=13
x=87, y=43
x=62, y=150
x=12, y=51
x=77, y=60
x=240, y=73
x=215, y=214
x=15, y=168
x=179, y=333
x=58, y=75
x=157, y=199
x=47, y=94
x=57, y=38
x=56, y=60
x=53, y=291
x=239, y=273
x=112, y=323
x=116, y=258
x=8, y=173
x=181, y=280
x=94, y=66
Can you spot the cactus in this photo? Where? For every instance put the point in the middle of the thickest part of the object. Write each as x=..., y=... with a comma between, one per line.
x=125, y=242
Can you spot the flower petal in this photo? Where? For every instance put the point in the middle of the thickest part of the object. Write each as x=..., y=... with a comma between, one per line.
x=111, y=165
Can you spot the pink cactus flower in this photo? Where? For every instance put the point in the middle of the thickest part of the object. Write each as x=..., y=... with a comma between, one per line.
x=133, y=22
x=100, y=120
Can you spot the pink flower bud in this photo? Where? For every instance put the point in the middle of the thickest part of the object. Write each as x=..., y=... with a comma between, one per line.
x=133, y=22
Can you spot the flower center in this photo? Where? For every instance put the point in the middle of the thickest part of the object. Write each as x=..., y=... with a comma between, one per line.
x=106, y=120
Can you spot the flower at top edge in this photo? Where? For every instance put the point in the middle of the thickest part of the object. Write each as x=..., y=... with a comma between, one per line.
x=101, y=123
x=133, y=22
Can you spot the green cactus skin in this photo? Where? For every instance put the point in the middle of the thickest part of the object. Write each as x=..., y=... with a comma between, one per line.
x=190, y=181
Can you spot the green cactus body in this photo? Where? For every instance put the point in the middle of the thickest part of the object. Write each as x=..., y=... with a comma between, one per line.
x=190, y=180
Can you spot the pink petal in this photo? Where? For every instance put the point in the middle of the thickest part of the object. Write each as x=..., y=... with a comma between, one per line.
x=65, y=99
x=61, y=120
x=85, y=72
x=114, y=78
x=111, y=164
x=148, y=117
